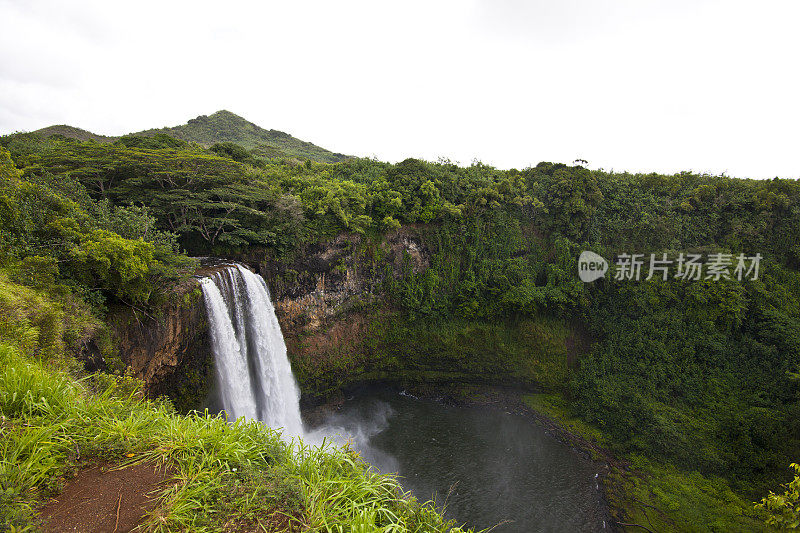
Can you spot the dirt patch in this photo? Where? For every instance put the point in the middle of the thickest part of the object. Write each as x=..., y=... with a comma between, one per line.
x=103, y=500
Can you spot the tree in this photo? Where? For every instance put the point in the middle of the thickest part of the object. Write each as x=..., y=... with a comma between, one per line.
x=784, y=509
x=121, y=266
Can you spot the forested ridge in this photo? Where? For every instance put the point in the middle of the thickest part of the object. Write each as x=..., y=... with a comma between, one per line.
x=219, y=128
x=694, y=381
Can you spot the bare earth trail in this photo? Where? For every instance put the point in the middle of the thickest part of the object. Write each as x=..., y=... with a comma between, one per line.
x=102, y=500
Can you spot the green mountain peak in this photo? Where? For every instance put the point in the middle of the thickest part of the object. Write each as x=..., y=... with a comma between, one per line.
x=226, y=126
x=221, y=126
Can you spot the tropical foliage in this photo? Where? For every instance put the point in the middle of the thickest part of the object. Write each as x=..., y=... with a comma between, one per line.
x=697, y=375
x=784, y=509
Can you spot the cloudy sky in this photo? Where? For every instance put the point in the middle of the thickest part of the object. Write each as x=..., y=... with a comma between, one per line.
x=638, y=85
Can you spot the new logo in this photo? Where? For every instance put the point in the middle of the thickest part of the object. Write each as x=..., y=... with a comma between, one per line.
x=591, y=266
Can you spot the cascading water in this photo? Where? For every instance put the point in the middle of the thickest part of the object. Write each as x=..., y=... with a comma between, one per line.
x=254, y=375
x=502, y=462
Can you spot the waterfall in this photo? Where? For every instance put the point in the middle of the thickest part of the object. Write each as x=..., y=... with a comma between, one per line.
x=253, y=372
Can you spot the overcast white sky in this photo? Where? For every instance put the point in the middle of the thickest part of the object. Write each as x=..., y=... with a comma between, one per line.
x=636, y=85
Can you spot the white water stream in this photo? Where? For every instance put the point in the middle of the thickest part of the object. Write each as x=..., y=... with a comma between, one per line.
x=253, y=372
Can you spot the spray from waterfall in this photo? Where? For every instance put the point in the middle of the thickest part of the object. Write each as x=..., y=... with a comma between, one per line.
x=254, y=376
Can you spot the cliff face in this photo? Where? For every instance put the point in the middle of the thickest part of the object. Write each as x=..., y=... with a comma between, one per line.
x=340, y=331
x=170, y=351
x=336, y=277
x=328, y=299
x=323, y=302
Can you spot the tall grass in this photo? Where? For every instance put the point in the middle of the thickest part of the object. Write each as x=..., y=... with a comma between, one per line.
x=222, y=476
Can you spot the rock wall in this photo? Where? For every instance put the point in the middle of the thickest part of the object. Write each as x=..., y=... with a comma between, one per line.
x=327, y=299
x=169, y=351
x=333, y=278
x=340, y=331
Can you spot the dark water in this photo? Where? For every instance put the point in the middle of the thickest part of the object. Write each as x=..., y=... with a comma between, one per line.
x=487, y=466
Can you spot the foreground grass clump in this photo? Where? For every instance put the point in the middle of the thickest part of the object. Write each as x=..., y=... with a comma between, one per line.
x=225, y=477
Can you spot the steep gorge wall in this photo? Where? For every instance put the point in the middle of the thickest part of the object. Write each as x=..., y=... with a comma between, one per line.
x=341, y=332
x=170, y=350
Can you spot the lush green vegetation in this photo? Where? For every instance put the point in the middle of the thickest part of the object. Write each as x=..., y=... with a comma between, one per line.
x=695, y=380
x=224, y=476
x=224, y=126
x=655, y=495
x=784, y=509
x=73, y=133
x=65, y=257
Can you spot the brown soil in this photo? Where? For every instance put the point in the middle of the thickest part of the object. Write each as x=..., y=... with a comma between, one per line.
x=102, y=500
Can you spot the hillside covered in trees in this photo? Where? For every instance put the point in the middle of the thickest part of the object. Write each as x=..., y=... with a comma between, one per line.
x=66, y=257
x=693, y=382
x=219, y=128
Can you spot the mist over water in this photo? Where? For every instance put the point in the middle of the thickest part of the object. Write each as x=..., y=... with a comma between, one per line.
x=358, y=427
x=483, y=466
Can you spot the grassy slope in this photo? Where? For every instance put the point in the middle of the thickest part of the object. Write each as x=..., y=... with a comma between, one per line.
x=226, y=126
x=225, y=476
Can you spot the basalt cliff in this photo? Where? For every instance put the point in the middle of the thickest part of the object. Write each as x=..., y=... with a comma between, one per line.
x=339, y=329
